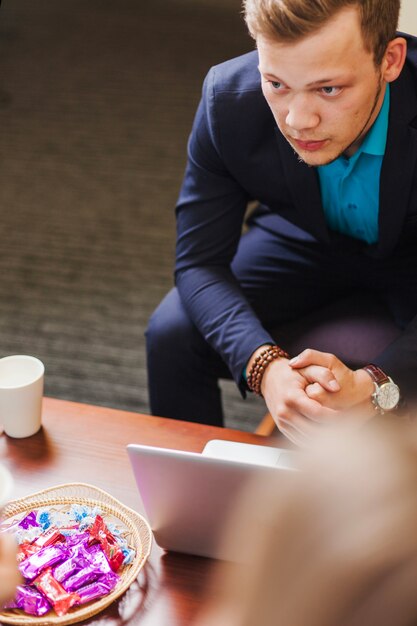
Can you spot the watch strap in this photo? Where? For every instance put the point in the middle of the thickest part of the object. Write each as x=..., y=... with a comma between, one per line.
x=377, y=374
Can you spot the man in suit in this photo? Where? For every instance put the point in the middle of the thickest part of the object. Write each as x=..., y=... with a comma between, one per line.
x=317, y=126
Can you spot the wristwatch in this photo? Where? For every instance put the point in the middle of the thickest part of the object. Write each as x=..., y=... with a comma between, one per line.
x=386, y=396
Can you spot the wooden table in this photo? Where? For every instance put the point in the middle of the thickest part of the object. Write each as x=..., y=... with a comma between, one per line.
x=83, y=443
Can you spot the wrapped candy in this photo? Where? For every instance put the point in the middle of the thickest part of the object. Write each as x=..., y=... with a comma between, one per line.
x=44, y=519
x=99, y=561
x=77, y=560
x=60, y=599
x=26, y=549
x=30, y=600
x=96, y=568
x=29, y=521
x=81, y=578
x=77, y=538
x=34, y=564
x=108, y=542
x=98, y=589
x=27, y=535
x=48, y=538
x=81, y=512
x=68, y=558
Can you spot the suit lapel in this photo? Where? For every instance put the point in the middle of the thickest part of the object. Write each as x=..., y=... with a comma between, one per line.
x=398, y=164
x=302, y=181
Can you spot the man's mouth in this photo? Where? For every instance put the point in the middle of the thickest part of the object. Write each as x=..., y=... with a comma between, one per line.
x=309, y=145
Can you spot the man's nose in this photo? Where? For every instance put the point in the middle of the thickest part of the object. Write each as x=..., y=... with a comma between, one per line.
x=301, y=114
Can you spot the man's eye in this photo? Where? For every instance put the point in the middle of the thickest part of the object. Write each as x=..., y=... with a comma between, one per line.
x=275, y=84
x=330, y=91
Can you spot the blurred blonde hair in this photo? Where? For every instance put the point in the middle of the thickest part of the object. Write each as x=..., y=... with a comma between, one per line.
x=332, y=545
x=9, y=574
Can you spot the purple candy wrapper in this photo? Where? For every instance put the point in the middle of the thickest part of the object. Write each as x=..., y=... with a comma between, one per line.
x=46, y=557
x=76, y=539
x=29, y=521
x=58, y=576
x=100, y=562
x=85, y=576
x=65, y=570
x=30, y=601
x=94, y=548
x=78, y=558
x=98, y=589
x=94, y=566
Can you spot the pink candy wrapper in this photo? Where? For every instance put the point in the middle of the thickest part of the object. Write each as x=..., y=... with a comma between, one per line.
x=48, y=539
x=111, y=549
x=56, y=594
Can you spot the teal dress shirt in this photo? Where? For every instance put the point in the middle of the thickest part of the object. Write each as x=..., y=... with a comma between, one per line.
x=350, y=186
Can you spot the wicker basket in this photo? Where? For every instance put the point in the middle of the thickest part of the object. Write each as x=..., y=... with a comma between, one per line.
x=133, y=526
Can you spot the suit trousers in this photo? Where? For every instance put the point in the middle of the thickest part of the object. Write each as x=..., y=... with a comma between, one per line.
x=283, y=277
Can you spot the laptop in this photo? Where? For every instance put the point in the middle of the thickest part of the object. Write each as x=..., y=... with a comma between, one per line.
x=188, y=497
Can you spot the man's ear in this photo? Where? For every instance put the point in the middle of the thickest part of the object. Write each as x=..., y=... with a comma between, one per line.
x=394, y=59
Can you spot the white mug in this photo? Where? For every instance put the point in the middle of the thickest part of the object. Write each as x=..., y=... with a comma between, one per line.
x=21, y=392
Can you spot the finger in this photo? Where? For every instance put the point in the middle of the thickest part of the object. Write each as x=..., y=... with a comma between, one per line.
x=322, y=375
x=324, y=398
x=313, y=357
x=316, y=392
x=293, y=435
x=330, y=400
x=299, y=430
x=297, y=422
x=314, y=410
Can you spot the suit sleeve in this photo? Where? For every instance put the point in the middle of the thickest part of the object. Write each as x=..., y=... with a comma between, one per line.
x=210, y=213
x=399, y=361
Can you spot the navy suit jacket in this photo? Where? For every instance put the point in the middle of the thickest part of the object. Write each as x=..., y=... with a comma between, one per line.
x=236, y=154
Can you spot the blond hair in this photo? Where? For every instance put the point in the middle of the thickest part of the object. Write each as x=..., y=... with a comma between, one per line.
x=291, y=20
x=332, y=544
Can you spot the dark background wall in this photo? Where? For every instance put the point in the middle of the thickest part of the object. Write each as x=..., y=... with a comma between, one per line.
x=96, y=102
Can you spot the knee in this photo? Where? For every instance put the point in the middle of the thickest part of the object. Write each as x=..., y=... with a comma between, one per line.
x=169, y=328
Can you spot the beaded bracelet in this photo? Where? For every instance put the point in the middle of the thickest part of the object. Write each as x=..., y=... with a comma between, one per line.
x=258, y=367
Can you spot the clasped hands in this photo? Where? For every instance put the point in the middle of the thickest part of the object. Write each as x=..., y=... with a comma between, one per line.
x=313, y=389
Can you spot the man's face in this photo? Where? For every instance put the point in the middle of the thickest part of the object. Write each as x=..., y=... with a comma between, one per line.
x=324, y=91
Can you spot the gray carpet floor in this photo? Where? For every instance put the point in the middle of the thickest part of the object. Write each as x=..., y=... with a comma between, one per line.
x=96, y=102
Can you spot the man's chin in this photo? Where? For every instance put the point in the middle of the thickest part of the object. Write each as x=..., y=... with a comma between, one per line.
x=315, y=157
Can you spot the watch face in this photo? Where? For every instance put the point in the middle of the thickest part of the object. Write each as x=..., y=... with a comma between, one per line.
x=388, y=396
